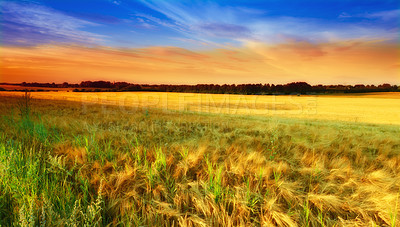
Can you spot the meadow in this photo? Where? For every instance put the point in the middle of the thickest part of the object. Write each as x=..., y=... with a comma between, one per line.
x=170, y=159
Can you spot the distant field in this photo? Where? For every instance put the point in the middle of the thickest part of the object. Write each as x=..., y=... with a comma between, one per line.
x=377, y=108
x=19, y=87
x=132, y=163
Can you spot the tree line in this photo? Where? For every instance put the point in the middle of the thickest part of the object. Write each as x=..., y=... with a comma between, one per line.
x=254, y=89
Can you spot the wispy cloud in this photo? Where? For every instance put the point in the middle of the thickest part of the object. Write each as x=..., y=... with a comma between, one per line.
x=210, y=21
x=204, y=22
x=282, y=29
x=225, y=30
x=116, y=2
x=142, y=23
x=387, y=15
x=30, y=24
x=169, y=24
x=344, y=15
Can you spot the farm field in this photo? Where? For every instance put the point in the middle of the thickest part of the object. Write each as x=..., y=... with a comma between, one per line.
x=378, y=108
x=181, y=159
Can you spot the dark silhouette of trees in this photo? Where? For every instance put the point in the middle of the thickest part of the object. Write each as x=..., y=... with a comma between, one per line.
x=250, y=89
x=298, y=87
x=96, y=84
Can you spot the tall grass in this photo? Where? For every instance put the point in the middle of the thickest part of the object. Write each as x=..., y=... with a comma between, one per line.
x=37, y=186
x=61, y=166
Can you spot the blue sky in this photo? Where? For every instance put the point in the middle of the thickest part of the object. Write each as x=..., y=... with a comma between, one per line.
x=195, y=24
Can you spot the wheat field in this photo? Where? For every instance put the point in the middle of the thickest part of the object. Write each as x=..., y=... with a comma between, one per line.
x=151, y=159
x=378, y=108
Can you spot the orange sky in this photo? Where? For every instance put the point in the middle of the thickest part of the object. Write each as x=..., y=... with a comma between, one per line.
x=345, y=62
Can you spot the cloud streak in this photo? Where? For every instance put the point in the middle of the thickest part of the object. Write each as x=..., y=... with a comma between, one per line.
x=31, y=24
x=387, y=15
x=225, y=30
x=205, y=22
x=210, y=21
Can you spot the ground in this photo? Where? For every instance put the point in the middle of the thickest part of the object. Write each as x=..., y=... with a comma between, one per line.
x=195, y=159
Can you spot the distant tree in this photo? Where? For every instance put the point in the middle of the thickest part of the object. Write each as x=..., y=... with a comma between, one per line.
x=96, y=84
x=132, y=87
x=300, y=87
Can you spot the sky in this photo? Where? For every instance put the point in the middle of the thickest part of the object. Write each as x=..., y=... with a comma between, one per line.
x=191, y=42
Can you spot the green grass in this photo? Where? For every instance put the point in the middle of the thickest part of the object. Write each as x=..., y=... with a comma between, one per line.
x=69, y=165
